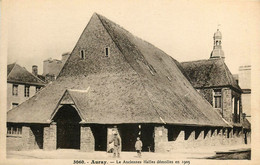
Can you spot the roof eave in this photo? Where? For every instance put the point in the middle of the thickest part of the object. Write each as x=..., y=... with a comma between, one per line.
x=220, y=86
x=26, y=83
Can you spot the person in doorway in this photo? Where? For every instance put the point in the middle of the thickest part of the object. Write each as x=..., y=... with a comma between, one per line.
x=116, y=149
x=138, y=146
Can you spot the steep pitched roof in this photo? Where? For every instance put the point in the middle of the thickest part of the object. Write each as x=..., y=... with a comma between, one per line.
x=18, y=74
x=209, y=73
x=137, y=83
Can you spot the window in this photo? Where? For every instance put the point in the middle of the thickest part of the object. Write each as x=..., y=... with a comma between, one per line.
x=217, y=98
x=37, y=89
x=107, y=51
x=15, y=90
x=26, y=91
x=82, y=54
x=14, y=130
x=14, y=105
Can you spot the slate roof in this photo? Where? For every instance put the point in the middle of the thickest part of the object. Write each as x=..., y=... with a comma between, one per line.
x=246, y=124
x=137, y=83
x=19, y=75
x=209, y=73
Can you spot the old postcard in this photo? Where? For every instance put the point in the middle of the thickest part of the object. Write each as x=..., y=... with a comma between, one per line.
x=129, y=82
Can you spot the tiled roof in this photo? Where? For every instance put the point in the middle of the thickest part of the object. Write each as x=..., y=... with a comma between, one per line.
x=18, y=74
x=209, y=73
x=137, y=83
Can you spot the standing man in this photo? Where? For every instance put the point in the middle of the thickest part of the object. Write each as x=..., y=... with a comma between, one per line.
x=138, y=147
x=116, y=141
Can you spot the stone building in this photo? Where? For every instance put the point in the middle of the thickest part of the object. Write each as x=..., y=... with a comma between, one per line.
x=52, y=67
x=21, y=84
x=214, y=81
x=116, y=82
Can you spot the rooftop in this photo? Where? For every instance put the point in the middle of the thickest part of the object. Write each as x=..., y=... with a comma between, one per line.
x=18, y=74
x=137, y=83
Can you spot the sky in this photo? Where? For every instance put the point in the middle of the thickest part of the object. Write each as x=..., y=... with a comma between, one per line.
x=38, y=30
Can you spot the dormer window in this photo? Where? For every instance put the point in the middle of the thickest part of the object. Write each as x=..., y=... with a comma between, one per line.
x=82, y=54
x=107, y=51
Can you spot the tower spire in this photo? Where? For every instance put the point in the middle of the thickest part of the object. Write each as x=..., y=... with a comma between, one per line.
x=217, y=51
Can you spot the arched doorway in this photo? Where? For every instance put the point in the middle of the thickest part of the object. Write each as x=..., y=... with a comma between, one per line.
x=68, y=128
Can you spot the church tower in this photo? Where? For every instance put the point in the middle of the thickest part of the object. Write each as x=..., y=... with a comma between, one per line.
x=217, y=51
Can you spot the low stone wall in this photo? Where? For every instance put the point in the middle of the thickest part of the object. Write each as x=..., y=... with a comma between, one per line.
x=87, y=140
x=32, y=138
x=198, y=137
x=14, y=143
x=50, y=137
x=166, y=138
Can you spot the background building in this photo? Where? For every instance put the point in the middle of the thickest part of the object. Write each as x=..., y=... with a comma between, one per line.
x=244, y=80
x=21, y=84
x=213, y=79
x=52, y=67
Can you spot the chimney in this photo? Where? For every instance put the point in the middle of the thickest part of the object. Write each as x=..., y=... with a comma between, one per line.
x=35, y=70
x=244, y=116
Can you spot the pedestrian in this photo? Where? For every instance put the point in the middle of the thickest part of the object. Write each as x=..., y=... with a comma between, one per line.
x=110, y=147
x=138, y=146
x=116, y=149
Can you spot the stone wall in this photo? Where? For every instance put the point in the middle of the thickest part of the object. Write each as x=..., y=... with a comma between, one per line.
x=166, y=138
x=227, y=104
x=27, y=138
x=160, y=138
x=227, y=107
x=50, y=137
x=87, y=141
x=194, y=137
x=14, y=143
x=237, y=97
x=30, y=138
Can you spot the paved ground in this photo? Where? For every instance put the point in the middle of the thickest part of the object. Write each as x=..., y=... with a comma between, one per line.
x=196, y=153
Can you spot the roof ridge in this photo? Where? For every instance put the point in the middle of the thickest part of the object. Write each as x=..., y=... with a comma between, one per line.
x=79, y=90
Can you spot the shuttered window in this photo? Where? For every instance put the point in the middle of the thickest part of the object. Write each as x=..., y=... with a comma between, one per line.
x=26, y=91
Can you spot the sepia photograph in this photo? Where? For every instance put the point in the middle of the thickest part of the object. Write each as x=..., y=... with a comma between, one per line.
x=129, y=82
